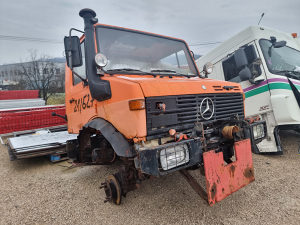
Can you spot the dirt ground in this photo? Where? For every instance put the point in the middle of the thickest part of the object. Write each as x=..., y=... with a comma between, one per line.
x=36, y=191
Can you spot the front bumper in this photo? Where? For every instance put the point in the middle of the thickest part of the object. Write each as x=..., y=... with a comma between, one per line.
x=221, y=179
x=148, y=160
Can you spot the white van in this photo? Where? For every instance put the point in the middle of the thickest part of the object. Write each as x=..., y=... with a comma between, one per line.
x=266, y=63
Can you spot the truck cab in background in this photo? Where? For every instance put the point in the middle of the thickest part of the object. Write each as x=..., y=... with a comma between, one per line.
x=266, y=63
x=138, y=98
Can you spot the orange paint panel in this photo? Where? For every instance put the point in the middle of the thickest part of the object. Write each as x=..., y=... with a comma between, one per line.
x=222, y=180
x=115, y=110
x=123, y=89
x=76, y=99
x=131, y=123
x=178, y=86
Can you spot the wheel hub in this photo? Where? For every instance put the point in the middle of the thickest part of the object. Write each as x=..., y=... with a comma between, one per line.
x=112, y=190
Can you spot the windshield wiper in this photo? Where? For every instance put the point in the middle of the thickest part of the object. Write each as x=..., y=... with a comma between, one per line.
x=127, y=70
x=163, y=71
x=289, y=73
x=175, y=74
x=152, y=73
x=122, y=70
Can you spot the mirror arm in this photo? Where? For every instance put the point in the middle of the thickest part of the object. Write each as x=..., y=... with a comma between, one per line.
x=80, y=31
x=205, y=74
x=85, y=83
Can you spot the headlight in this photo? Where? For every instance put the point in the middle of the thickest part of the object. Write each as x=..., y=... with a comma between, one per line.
x=101, y=60
x=258, y=131
x=172, y=157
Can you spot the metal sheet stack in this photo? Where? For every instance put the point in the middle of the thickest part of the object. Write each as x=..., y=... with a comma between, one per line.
x=38, y=144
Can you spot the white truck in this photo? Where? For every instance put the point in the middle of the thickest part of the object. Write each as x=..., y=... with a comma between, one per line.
x=266, y=63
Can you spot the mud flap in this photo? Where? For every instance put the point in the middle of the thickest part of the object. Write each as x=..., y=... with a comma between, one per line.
x=221, y=179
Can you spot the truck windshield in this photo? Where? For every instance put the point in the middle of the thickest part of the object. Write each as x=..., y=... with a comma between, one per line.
x=283, y=61
x=136, y=52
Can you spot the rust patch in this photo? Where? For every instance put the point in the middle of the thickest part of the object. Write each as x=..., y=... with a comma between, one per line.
x=213, y=191
x=248, y=172
x=231, y=170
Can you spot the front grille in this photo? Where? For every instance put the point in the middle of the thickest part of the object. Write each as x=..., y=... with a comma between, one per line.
x=182, y=111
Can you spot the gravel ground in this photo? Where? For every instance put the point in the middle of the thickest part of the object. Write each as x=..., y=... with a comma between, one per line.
x=36, y=191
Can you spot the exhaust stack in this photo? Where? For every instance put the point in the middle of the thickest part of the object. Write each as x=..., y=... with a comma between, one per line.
x=100, y=89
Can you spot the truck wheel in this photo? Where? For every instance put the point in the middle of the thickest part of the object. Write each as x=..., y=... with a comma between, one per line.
x=112, y=190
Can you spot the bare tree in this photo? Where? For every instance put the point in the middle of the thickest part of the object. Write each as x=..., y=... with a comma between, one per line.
x=39, y=73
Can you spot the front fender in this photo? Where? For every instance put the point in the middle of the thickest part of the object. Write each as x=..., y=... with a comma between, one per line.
x=120, y=145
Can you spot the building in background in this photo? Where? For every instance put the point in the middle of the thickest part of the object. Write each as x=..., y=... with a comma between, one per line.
x=17, y=75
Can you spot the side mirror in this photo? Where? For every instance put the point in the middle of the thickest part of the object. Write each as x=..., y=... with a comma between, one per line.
x=275, y=44
x=279, y=44
x=73, y=51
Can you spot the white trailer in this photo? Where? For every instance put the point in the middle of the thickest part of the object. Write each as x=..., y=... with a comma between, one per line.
x=266, y=63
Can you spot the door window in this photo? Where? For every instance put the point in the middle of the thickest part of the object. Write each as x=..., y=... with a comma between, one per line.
x=231, y=72
x=81, y=70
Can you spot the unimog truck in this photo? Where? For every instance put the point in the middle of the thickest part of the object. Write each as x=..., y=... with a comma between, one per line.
x=138, y=98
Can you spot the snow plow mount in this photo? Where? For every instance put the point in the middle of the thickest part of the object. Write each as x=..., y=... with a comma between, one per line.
x=221, y=179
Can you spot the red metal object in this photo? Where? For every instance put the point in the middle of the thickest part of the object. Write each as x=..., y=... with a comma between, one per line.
x=30, y=118
x=221, y=179
x=19, y=94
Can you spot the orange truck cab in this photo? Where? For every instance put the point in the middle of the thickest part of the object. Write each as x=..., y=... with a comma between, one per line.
x=138, y=98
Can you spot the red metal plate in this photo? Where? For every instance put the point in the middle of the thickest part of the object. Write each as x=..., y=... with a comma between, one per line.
x=221, y=179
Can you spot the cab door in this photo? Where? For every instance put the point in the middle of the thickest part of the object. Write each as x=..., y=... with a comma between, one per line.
x=257, y=95
x=79, y=103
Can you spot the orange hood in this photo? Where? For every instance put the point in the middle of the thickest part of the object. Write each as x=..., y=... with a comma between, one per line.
x=156, y=86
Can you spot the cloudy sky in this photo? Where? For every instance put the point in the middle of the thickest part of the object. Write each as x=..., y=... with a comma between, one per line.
x=41, y=24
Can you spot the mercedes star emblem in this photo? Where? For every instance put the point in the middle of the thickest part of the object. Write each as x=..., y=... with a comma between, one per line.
x=207, y=108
